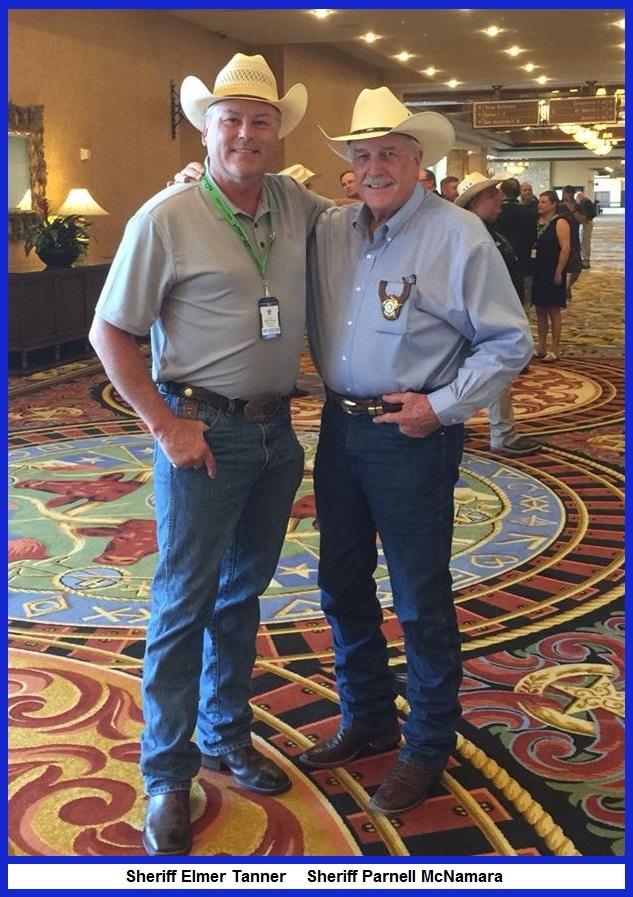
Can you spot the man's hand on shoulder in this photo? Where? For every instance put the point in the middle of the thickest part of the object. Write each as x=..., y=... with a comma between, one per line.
x=191, y=172
x=416, y=418
x=185, y=446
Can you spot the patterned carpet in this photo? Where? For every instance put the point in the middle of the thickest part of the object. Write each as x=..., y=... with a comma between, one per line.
x=538, y=571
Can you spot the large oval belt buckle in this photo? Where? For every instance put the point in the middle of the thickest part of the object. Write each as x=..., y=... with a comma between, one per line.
x=260, y=408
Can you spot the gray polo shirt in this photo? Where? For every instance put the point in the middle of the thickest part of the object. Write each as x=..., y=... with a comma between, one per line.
x=182, y=273
x=461, y=335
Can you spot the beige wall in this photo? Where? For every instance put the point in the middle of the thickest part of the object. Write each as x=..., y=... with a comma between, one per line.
x=333, y=83
x=103, y=78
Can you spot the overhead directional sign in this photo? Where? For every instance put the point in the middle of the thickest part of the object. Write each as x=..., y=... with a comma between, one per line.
x=583, y=110
x=506, y=114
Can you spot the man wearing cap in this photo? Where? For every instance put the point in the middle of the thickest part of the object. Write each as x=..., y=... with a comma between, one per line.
x=217, y=272
x=413, y=326
x=483, y=197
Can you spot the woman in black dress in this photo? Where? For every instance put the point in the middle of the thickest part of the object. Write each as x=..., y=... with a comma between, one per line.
x=551, y=252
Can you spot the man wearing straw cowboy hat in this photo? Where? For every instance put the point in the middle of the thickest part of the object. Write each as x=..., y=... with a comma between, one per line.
x=413, y=327
x=217, y=272
x=482, y=196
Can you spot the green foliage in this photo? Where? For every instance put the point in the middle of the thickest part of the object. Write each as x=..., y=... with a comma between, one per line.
x=52, y=232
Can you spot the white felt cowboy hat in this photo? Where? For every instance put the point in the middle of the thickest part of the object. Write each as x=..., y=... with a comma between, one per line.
x=300, y=173
x=243, y=78
x=473, y=184
x=379, y=112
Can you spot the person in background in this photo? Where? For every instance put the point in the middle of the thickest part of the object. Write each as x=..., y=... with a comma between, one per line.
x=585, y=213
x=567, y=208
x=550, y=255
x=527, y=195
x=428, y=181
x=217, y=271
x=482, y=196
x=448, y=188
x=517, y=223
x=348, y=185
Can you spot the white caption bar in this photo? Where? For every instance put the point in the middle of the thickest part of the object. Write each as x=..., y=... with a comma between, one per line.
x=308, y=876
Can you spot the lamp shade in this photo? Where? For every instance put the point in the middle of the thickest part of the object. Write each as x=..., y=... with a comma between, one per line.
x=80, y=202
x=26, y=203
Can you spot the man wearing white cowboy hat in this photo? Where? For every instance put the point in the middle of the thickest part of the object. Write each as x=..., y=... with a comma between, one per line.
x=482, y=196
x=300, y=174
x=411, y=330
x=217, y=272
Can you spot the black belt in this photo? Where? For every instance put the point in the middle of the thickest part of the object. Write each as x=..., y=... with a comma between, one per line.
x=257, y=409
x=374, y=407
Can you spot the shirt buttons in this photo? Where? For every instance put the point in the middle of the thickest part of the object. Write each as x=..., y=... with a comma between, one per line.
x=389, y=239
x=343, y=357
x=368, y=256
x=349, y=323
x=357, y=289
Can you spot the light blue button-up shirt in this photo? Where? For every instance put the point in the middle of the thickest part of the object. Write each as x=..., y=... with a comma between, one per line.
x=461, y=335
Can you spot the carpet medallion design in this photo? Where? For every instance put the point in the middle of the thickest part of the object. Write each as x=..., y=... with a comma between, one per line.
x=537, y=566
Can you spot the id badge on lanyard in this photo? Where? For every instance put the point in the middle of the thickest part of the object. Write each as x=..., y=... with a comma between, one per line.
x=270, y=324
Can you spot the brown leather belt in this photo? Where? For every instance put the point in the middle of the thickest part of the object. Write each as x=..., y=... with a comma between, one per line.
x=258, y=409
x=374, y=407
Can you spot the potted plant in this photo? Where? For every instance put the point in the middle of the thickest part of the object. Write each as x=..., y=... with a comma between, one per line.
x=57, y=240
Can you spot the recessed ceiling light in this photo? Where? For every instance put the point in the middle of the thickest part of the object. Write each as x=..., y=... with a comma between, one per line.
x=621, y=46
x=492, y=31
x=321, y=13
x=405, y=56
x=620, y=24
x=514, y=51
x=529, y=67
x=370, y=37
x=430, y=71
x=453, y=82
x=542, y=79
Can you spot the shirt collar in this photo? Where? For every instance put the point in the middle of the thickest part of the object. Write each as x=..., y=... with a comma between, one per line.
x=393, y=225
x=266, y=200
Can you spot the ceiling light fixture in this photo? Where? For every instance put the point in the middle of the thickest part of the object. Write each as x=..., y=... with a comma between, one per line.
x=620, y=24
x=370, y=37
x=453, y=83
x=321, y=13
x=514, y=51
x=429, y=71
x=542, y=79
x=492, y=31
x=529, y=67
x=405, y=56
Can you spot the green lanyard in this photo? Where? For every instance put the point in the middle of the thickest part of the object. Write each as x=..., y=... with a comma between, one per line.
x=261, y=262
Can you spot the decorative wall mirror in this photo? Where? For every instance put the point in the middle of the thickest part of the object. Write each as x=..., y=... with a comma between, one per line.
x=27, y=168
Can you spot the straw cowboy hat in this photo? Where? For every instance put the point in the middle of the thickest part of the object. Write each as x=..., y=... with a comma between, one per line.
x=473, y=184
x=300, y=173
x=378, y=112
x=243, y=78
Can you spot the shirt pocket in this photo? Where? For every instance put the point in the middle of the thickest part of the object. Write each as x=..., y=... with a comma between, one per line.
x=388, y=295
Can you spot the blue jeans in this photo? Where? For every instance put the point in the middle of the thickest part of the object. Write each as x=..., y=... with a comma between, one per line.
x=369, y=479
x=219, y=542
